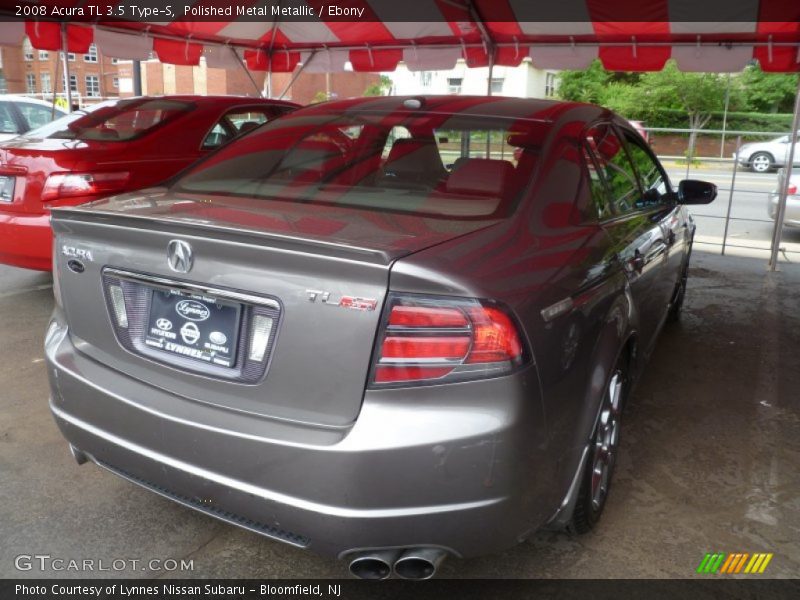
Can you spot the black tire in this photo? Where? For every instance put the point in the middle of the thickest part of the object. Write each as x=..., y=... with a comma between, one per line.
x=762, y=162
x=674, y=314
x=595, y=486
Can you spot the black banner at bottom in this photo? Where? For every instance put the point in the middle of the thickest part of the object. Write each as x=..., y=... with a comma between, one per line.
x=462, y=589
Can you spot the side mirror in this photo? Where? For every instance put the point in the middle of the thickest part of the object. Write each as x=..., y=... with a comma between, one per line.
x=692, y=191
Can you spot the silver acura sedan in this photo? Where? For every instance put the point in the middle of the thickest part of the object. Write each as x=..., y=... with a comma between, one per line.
x=387, y=330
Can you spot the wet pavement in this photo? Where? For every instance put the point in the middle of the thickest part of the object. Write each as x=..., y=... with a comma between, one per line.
x=709, y=461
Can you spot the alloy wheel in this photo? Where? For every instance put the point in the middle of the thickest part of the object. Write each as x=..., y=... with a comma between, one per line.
x=606, y=441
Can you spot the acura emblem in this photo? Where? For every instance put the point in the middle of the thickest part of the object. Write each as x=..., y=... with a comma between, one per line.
x=179, y=256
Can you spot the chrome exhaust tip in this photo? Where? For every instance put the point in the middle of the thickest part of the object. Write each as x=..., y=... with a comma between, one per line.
x=374, y=565
x=419, y=563
x=79, y=456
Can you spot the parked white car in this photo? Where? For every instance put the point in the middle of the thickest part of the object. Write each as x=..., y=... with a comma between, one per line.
x=765, y=156
x=792, y=215
x=19, y=114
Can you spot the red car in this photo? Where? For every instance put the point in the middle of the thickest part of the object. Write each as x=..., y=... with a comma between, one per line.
x=116, y=146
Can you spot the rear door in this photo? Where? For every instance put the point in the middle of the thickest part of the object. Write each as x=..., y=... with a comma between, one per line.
x=635, y=230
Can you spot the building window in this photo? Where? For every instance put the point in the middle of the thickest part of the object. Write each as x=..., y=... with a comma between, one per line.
x=27, y=49
x=115, y=82
x=73, y=83
x=549, y=84
x=44, y=55
x=30, y=83
x=46, y=87
x=454, y=85
x=93, y=86
x=496, y=85
x=114, y=61
x=425, y=78
x=71, y=57
x=91, y=57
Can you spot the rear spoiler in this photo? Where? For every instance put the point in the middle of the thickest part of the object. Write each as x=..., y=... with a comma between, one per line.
x=83, y=214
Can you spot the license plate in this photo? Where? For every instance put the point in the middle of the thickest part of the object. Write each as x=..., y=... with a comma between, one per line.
x=7, y=188
x=194, y=326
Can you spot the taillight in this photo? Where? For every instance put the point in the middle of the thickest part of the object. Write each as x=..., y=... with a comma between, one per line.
x=792, y=190
x=438, y=340
x=67, y=185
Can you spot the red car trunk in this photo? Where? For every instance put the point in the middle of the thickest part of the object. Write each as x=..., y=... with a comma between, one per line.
x=113, y=148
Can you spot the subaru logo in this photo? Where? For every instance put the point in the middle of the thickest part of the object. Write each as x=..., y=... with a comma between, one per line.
x=179, y=256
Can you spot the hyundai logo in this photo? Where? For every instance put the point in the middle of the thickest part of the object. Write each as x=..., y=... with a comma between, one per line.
x=179, y=256
x=192, y=310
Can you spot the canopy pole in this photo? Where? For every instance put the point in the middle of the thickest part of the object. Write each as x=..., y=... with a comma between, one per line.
x=296, y=75
x=65, y=48
x=239, y=60
x=491, y=71
x=55, y=86
x=784, y=191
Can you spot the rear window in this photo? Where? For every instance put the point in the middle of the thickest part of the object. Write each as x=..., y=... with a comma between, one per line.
x=453, y=166
x=113, y=121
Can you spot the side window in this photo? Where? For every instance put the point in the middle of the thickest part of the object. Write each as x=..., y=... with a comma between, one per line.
x=655, y=184
x=600, y=197
x=612, y=161
x=244, y=121
x=216, y=137
x=232, y=124
x=35, y=115
x=7, y=122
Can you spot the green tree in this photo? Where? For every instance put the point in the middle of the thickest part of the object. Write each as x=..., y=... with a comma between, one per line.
x=768, y=92
x=319, y=97
x=381, y=88
x=639, y=95
x=697, y=94
x=590, y=85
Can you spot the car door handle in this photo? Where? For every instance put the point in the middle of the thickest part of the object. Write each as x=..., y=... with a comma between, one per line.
x=637, y=262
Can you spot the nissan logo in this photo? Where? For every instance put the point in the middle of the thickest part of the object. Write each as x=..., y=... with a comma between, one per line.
x=179, y=256
x=192, y=310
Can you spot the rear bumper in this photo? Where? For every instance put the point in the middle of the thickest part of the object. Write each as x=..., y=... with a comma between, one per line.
x=463, y=479
x=792, y=215
x=26, y=240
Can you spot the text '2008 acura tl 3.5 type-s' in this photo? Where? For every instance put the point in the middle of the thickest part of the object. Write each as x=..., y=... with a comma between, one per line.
x=389, y=330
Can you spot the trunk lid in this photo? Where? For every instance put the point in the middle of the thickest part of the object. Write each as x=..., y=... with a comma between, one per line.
x=31, y=161
x=296, y=254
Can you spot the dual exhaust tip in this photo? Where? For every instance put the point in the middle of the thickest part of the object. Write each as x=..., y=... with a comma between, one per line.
x=417, y=563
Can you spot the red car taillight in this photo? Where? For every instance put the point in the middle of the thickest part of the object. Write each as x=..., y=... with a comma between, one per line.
x=438, y=340
x=67, y=185
x=792, y=190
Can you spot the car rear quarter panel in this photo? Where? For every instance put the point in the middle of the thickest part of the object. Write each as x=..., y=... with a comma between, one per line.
x=543, y=255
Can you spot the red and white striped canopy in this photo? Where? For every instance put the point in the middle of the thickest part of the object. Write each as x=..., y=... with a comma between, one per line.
x=375, y=35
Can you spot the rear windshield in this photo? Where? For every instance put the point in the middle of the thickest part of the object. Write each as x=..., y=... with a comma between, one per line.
x=112, y=121
x=453, y=166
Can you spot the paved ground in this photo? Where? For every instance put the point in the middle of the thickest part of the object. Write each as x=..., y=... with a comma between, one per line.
x=709, y=458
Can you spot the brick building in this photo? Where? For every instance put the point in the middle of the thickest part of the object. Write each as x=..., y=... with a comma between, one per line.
x=30, y=71
x=159, y=78
x=26, y=70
